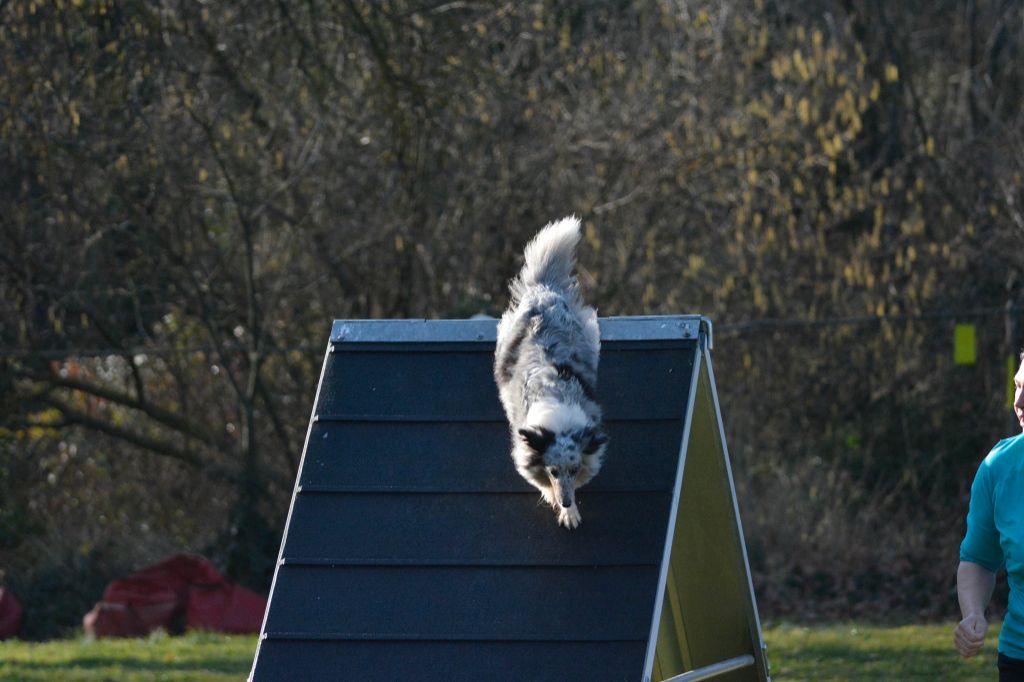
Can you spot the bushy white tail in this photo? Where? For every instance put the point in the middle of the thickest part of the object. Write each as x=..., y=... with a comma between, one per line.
x=550, y=258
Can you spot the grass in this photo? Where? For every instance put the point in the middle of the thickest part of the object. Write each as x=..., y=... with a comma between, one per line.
x=819, y=653
x=866, y=652
x=194, y=657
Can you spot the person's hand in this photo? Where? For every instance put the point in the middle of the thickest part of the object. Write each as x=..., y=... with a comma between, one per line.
x=970, y=634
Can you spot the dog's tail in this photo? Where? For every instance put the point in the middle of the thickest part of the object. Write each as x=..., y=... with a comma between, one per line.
x=550, y=258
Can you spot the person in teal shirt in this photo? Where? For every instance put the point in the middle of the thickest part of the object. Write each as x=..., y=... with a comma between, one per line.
x=995, y=539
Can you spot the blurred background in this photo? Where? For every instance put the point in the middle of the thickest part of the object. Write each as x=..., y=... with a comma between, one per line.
x=191, y=192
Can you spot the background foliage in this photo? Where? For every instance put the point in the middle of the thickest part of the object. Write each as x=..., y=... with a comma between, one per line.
x=189, y=193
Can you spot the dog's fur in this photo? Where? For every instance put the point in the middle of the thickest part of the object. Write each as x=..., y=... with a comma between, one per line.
x=545, y=366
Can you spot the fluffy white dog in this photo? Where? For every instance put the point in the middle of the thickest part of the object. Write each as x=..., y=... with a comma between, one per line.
x=545, y=366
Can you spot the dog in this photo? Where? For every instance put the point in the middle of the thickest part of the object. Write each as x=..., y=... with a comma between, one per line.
x=545, y=366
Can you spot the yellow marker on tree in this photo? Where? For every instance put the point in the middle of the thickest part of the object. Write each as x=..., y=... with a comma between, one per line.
x=1011, y=372
x=965, y=346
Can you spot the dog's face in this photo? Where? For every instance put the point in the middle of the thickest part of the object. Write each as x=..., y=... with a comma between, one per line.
x=557, y=457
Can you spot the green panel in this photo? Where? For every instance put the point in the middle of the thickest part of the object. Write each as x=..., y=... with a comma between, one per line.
x=707, y=611
x=1011, y=372
x=675, y=655
x=965, y=345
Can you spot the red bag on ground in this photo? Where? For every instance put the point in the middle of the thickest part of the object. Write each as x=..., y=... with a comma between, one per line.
x=225, y=608
x=185, y=590
x=133, y=609
x=10, y=614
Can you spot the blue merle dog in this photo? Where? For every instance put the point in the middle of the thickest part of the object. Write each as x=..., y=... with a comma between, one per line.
x=545, y=366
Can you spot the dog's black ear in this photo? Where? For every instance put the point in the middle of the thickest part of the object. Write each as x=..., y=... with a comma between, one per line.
x=593, y=439
x=538, y=438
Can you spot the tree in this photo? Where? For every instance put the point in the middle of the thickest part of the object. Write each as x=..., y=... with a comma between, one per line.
x=190, y=194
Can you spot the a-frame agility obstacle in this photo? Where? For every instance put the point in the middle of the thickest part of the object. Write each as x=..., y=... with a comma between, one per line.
x=413, y=550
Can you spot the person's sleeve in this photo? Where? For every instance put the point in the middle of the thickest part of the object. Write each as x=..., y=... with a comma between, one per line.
x=981, y=543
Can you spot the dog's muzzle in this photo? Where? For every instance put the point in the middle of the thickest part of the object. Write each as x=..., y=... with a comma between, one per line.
x=566, y=492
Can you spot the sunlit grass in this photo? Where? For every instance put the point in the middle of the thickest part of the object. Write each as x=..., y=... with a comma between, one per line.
x=866, y=652
x=194, y=657
x=817, y=653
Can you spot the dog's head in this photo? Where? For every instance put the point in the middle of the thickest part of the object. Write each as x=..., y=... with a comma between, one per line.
x=563, y=456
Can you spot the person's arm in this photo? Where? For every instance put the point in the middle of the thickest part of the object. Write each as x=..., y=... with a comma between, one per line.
x=974, y=584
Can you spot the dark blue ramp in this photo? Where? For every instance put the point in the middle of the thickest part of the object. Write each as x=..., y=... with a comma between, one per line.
x=414, y=551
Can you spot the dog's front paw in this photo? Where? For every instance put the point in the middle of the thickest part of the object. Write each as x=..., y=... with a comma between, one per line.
x=549, y=497
x=569, y=517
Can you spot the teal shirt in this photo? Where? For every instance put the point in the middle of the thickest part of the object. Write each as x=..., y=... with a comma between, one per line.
x=995, y=531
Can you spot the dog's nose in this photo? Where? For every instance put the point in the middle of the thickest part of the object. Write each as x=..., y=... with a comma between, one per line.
x=566, y=504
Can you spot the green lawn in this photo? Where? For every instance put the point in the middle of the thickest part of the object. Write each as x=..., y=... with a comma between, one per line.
x=859, y=652
x=818, y=653
x=194, y=657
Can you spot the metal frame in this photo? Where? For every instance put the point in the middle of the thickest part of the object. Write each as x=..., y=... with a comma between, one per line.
x=614, y=329
x=759, y=660
x=715, y=669
x=647, y=328
x=752, y=614
x=288, y=520
x=659, y=599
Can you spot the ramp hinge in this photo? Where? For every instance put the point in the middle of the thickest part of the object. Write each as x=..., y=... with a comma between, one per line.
x=707, y=332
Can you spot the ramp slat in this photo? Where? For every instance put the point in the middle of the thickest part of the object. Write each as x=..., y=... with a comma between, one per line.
x=479, y=603
x=449, y=661
x=634, y=384
x=418, y=457
x=425, y=529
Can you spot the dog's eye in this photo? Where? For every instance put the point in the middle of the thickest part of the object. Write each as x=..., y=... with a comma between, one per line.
x=553, y=472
